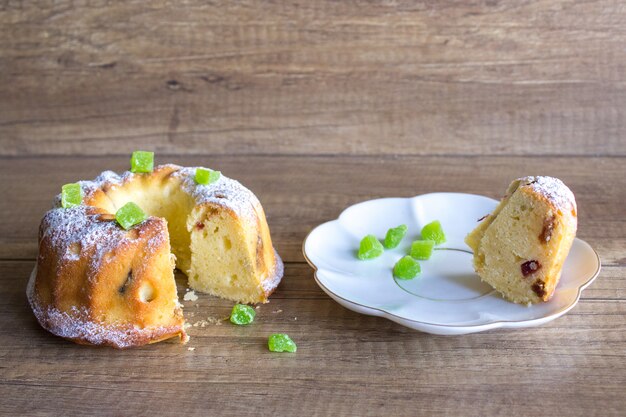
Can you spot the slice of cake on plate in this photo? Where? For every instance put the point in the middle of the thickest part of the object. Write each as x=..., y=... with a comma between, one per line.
x=519, y=249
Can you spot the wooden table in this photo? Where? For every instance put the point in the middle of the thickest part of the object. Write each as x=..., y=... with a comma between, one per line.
x=315, y=106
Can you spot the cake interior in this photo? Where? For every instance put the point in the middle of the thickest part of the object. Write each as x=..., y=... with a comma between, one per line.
x=209, y=243
x=508, y=248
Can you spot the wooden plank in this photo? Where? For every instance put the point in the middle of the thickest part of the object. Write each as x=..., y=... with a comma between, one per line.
x=300, y=193
x=346, y=363
x=323, y=77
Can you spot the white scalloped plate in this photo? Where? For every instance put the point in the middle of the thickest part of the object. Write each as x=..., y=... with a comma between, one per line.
x=448, y=297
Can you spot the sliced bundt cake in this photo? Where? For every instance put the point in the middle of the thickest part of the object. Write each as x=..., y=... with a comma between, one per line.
x=97, y=282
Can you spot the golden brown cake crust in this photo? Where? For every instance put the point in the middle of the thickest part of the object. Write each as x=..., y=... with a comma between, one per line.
x=276, y=274
x=78, y=327
x=84, y=261
x=520, y=248
x=96, y=283
x=552, y=190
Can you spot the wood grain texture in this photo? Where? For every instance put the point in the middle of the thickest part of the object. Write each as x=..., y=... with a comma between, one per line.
x=299, y=193
x=316, y=105
x=346, y=364
x=323, y=77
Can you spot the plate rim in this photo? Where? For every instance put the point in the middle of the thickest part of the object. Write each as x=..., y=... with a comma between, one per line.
x=473, y=327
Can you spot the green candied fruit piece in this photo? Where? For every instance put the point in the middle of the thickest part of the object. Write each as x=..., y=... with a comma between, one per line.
x=280, y=342
x=71, y=195
x=394, y=236
x=129, y=215
x=207, y=176
x=433, y=231
x=370, y=248
x=242, y=314
x=422, y=249
x=406, y=268
x=142, y=161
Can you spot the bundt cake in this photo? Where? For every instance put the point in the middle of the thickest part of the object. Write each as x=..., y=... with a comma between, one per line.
x=97, y=283
x=519, y=249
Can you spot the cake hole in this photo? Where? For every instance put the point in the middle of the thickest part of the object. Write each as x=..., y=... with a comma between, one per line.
x=234, y=278
x=523, y=207
x=75, y=248
x=126, y=283
x=227, y=243
x=147, y=293
x=217, y=229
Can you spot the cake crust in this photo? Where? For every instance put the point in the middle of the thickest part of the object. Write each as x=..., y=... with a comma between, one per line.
x=79, y=328
x=520, y=248
x=96, y=283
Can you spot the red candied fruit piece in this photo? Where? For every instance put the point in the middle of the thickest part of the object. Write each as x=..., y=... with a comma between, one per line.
x=539, y=287
x=530, y=267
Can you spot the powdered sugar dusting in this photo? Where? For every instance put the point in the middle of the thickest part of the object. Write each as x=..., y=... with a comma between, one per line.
x=225, y=192
x=270, y=283
x=108, y=178
x=90, y=186
x=553, y=189
x=87, y=231
x=76, y=324
x=155, y=242
x=82, y=227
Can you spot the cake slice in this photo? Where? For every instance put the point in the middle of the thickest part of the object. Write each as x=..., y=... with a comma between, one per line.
x=519, y=249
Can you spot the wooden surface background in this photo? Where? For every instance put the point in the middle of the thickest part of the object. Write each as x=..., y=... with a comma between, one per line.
x=316, y=105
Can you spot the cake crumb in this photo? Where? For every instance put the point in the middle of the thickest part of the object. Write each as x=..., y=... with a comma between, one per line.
x=210, y=320
x=215, y=321
x=191, y=349
x=190, y=296
x=277, y=311
x=186, y=325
